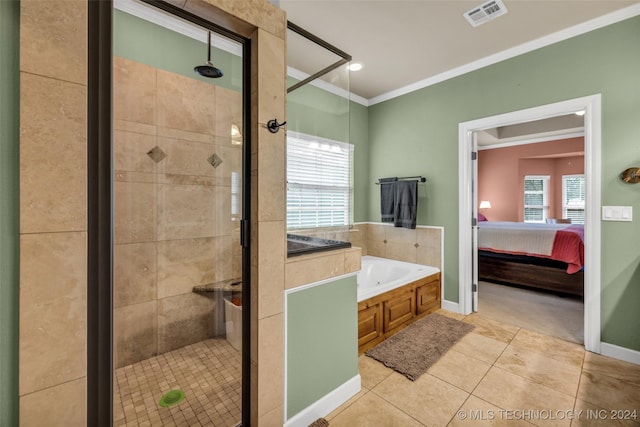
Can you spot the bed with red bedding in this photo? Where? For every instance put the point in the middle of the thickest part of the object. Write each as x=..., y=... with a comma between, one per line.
x=542, y=256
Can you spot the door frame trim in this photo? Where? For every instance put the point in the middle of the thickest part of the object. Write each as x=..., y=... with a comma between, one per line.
x=467, y=191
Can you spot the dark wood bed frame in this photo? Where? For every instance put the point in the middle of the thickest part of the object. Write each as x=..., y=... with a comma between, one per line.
x=527, y=272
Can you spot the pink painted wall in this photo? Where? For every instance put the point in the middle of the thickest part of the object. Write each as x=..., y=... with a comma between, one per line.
x=501, y=173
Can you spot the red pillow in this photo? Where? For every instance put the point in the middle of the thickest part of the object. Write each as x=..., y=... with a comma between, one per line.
x=481, y=217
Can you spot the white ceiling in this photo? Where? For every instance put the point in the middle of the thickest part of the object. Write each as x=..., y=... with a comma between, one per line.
x=405, y=45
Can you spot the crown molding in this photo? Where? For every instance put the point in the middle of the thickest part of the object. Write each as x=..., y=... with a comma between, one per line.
x=576, y=30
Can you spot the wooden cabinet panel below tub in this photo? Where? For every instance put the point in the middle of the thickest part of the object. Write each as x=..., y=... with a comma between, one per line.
x=383, y=315
x=399, y=310
x=428, y=297
x=369, y=323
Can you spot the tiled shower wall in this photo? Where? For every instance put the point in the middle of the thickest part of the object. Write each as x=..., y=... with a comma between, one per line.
x=175, y=226
x=422, y=245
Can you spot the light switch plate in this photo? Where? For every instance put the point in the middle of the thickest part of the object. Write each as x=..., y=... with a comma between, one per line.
x=617, y=213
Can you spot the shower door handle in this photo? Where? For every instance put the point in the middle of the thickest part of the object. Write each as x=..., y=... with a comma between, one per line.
x=244, y=233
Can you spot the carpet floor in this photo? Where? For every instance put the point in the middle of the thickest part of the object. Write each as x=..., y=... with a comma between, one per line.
x=559, y=317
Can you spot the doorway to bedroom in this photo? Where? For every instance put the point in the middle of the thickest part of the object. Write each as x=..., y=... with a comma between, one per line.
x=539, y=185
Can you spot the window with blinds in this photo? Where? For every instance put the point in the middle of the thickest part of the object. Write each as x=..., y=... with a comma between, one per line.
x=536, y=196
x=319, y=181
x=573, y=198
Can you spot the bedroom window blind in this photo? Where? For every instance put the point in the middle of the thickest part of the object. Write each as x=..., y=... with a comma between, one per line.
x=536, y=198
x=319, y=181
x=573, y=198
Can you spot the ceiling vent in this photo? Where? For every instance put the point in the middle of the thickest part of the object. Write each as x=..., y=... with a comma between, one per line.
x=485, y=12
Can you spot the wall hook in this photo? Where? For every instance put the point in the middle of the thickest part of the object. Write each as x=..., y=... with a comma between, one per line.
x=274, y=126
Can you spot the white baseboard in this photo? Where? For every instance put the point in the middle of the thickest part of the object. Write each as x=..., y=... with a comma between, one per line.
x=451, y=306
x=621, y=353
x=325, y=405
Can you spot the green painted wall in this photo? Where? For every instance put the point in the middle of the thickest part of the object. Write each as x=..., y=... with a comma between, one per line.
x=417, y=134
x=9, y=209
x=151, y=44
x=322, y=338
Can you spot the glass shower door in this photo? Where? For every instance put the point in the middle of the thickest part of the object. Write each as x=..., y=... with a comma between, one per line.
x=178, y=150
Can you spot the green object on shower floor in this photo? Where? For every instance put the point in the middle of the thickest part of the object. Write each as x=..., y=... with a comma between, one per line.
x=171, y=398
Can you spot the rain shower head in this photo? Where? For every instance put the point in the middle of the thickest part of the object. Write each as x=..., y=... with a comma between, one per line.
x=208, y=70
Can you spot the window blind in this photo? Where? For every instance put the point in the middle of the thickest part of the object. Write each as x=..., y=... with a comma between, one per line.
x=573, y=198
x=536, y=195
x=318, y=181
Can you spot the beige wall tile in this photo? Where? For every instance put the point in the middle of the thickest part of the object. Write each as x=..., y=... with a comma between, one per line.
x=130, y=151
x=134, y=212
x=53, y=318
x=62, y=405
x=272, y=418
x=429, y=237
x=51, y=41
x=135, y=273
x=183, y=320
x=225, y=247
x=134, y=91
x=429, y=256
x=135, y=333
x=401, y=251
x=224, y=225
x=377, y=232
x=183, y=264
x=352, y=258
x=228, y=111
x=377, y=248
x=271, y=256
x=186, y=135
x=401, y=235
x=270, y=366
x=129, y=126
x=53, y=194
x=185, y=211
x=314, y=269
x=186, y=157
x=185, y=103
x=271, y=184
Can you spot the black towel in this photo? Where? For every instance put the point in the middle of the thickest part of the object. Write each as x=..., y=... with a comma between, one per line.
x=406, y=203
x=387, y=198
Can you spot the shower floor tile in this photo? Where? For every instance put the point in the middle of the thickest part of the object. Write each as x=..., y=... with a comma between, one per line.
x=209, y=373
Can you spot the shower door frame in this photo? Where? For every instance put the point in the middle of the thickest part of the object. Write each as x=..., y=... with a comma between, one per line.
x=100, y=207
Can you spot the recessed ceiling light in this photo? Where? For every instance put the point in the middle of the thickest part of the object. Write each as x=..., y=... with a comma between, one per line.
x=355, y=66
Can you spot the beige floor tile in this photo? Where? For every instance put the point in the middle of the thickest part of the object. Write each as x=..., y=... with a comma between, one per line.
x=610, y=367
x=476, y=412
x=608, y=393
x=588, y=415
x=346, y=404
x=514, y=393
x=451, y=314
x=372, y=410
x=430, y=400
x=372, y=372
x=492, y=328
x=560, y=376
x=480, y=347
x=554, y=348
x=460, y=370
